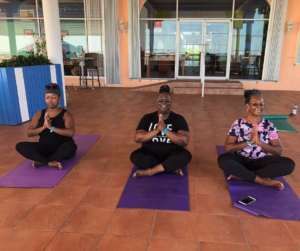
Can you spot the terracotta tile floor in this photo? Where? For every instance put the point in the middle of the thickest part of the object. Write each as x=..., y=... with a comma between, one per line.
x=80, y=212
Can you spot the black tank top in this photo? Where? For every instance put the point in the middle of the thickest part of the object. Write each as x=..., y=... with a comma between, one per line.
x=53, y=140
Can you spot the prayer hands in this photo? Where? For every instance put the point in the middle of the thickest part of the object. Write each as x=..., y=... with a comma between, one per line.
x=254, y=135
x=161, y=126
x=47, y=121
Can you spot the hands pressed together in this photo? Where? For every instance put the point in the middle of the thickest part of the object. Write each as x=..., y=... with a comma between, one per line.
x=161, y=126
x=255, y=136
x=47, y=122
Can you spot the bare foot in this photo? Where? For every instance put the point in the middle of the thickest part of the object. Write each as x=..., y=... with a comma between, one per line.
x=36, y=164
x=178, y=171
x=274, y=183
x=269, y=182
x=232, y=177
x=55, y=164
x=143, y=172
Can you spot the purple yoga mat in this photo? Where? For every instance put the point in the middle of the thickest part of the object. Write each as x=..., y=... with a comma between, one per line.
x=162, y=191
x=270, y=202
x=25, y=175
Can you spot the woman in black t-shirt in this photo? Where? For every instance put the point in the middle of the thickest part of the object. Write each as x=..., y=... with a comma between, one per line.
x=163, y=134
x=55, y=126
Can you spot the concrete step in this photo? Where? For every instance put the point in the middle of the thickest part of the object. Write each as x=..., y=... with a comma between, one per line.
x=190, y=85
x=210, y=90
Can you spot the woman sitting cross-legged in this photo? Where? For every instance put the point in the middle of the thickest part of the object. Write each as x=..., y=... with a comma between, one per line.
x=163, y=134
x=55, y=126
x=248, y=143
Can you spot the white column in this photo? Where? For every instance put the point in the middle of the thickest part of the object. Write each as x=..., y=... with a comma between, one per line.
x=53, y=36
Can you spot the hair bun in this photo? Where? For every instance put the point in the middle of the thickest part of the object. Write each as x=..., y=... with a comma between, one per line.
x=247, y=93
x=164, y=88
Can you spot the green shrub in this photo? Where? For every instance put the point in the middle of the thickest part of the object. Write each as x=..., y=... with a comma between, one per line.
x=26, y=61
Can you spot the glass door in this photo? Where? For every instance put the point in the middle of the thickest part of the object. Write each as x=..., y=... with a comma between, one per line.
x=215, y=34
x=217, y=49
x=188, y=59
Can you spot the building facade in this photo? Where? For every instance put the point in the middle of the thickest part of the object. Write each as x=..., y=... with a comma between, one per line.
x=253, y=41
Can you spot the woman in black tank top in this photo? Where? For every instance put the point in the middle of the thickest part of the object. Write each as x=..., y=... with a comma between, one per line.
x=55, y=126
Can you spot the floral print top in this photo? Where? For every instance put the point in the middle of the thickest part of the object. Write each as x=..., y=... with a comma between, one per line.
x=242, y=130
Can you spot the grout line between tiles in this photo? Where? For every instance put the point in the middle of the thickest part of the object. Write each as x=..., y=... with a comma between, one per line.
x=152, y=230
x=243, y=230
x=194, y=159
x=291, y=234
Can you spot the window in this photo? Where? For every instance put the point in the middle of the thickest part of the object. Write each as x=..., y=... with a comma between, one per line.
x=16, y=37
x=249, y=34
x=18, y=8
x=248, y=48
x=81, y=31
x=159, y=9
x=205, y=9
x=252, y=9
x=158, y=42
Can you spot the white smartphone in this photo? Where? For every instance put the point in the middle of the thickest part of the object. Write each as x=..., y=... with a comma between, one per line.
x=247, y=201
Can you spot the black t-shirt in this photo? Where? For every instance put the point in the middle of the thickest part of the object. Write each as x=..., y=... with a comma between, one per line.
x=161, y=143
x=52, y=139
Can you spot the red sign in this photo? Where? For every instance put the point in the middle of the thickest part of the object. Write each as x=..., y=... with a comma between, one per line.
x=158, y=24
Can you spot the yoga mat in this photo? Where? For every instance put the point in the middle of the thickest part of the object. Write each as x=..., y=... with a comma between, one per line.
x=274, y=116
x=280, y=123
x=270, y=202
x=25, y=175
x=162, y=191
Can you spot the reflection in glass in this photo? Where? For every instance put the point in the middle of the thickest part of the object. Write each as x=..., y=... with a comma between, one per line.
x=216, y=41
x=190, y=38
x=248, y=49
x=67, y=9
x=16, y=37
x=205, y=9
x=158, y=41
x=93, y=9
x=94, y=31
x=159, y=9
x=73, y=44
x=18, y=8
x=252, y=9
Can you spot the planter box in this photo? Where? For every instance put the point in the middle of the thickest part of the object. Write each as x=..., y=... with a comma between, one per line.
x=22, y=91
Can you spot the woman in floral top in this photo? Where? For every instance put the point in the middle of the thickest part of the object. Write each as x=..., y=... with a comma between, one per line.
x=247, y=145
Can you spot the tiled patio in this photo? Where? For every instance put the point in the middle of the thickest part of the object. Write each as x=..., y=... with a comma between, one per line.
x=80, y=212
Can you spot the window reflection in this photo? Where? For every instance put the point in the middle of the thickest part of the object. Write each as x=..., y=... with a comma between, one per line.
x=18, y=8
x=252, y=9
x=16, y=37
x=205, y=9
x=216, y=41
x=248, y=49
x=158, y=41
x=190, y=38
x=67, y=8
x=159, y=9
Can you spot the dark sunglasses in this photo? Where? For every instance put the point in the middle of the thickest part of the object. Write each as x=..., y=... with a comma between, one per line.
x=258, y=104
x=53, y=87
x=164, y=100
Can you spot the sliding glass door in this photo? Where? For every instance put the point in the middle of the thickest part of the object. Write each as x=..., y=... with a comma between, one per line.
x=215, y=34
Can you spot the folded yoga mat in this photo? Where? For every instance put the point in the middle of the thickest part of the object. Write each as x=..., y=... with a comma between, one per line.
x=280, y=123
x=270, y=202
x=163, y=191
x=25, y=175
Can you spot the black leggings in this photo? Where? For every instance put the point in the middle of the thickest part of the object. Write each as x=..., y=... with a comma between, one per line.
x=143, y=158
x=267, y=167
x=38, y=152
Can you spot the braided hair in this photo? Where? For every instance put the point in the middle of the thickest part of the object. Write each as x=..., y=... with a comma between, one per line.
x=248, y=94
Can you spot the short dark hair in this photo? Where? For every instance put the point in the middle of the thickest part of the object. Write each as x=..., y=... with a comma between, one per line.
x=164, y=89
x=248, y=94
